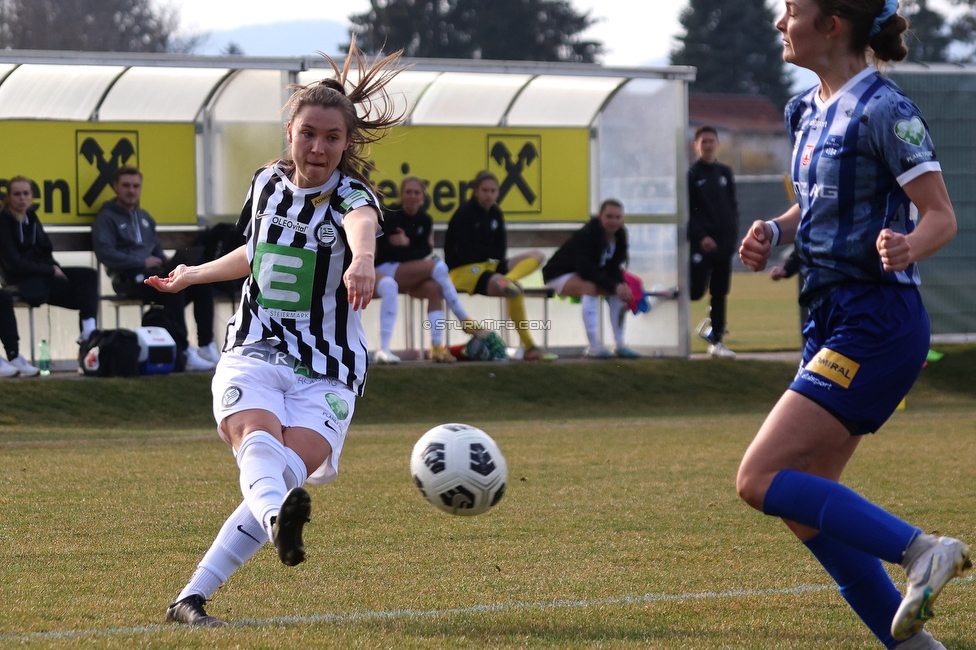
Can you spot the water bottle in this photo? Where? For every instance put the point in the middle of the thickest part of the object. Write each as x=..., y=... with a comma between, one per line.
x=44, y=362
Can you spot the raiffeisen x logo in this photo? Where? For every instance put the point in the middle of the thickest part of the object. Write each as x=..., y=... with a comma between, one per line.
x=99, y=154
x=521, y=171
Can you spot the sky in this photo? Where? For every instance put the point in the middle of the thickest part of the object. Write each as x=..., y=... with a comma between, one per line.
x=634, y=32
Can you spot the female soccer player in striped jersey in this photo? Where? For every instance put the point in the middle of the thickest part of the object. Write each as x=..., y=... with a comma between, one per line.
x=285, y=389
x=861, y=156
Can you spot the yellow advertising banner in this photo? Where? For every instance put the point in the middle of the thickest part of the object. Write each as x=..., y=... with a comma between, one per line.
x=543, y=174
x=72, y=165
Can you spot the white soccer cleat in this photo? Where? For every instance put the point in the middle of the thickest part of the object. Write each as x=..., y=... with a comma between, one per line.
x=195, y=362
x=7, y=369
x=719, y=351
x=385, y=357
x=23, y=367
x=944, y=559
x=210, y=352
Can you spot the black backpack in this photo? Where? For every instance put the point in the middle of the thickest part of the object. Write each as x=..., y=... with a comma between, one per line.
x=110, y=353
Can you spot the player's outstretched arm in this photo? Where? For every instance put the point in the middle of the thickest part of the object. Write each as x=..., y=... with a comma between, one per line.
x=231, y=266
x=936, y=225
x=361, y=226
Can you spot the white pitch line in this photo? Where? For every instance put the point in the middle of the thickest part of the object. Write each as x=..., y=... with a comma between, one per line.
x=432, y=613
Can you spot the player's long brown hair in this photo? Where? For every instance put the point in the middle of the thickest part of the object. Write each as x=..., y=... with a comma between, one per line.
x=366, y=107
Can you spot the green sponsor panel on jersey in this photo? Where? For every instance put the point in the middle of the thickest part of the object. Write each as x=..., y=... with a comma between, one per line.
x=285, y=276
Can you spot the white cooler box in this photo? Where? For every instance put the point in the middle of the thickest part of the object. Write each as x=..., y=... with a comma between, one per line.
x=157, y=351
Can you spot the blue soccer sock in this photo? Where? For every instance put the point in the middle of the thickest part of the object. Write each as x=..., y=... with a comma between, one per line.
x=839, y=512
x=863, y=582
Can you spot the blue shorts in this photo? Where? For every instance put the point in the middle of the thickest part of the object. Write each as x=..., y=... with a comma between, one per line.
x=866, y=344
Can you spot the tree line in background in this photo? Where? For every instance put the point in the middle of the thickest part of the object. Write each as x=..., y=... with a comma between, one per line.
x=733, y=43
x=91, y=26
x=518, y=30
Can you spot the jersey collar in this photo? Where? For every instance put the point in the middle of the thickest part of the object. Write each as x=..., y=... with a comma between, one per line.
x=853, y=81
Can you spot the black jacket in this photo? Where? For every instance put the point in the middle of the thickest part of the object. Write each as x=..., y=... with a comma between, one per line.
x=417, y=228
x=713, y=207
x=584, y=254
x=475, y=236
x=26, y=258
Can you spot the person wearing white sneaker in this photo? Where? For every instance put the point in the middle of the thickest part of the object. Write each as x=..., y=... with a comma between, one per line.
x=209, y=352
x=863, y=161
x=195, y=362
x=385, y=357
x=23, y=366
x=7, y=369
x=295, y=361
x=27, y=261
x=590, y=266
x=719, y=351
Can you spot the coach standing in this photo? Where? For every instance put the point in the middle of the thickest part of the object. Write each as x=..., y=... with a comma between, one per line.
x=713, y=232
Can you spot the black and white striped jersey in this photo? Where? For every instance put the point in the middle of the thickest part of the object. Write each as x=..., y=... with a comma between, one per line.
x=295, y=298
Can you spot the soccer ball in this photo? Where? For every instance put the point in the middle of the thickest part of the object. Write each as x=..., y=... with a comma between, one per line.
x=459, y=469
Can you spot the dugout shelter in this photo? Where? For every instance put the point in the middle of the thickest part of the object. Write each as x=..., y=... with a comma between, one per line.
x=560, y=138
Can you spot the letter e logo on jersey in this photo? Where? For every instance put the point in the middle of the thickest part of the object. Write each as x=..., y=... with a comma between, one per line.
x=98, y=155
x=284, y=275
x=517, y=162
x=807, y=155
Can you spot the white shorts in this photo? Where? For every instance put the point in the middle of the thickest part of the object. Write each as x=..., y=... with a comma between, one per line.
x=388, y=269
x=259, y=377
x=558, y=284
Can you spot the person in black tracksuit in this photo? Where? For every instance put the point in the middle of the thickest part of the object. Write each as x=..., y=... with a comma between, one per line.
x=590, y=265
x=27, y=263
x=713, y=233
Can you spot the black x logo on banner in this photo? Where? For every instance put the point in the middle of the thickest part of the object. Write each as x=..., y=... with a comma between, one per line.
x=95, y=155
x=514, y=169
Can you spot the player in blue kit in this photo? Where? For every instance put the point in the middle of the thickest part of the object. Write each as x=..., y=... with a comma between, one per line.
x=862, y=155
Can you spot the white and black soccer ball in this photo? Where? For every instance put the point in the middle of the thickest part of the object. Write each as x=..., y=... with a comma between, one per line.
x=459, y=469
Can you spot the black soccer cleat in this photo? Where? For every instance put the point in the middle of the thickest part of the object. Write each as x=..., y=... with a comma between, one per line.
x=286, y=528
x=191, y=612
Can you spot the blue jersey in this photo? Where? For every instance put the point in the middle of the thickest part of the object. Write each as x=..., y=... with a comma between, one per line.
x=851, y=157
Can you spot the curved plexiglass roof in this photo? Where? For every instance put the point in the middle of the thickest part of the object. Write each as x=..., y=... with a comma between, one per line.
x=55, y=92
x=562, y=100
x=177, y=88
x=159, y=94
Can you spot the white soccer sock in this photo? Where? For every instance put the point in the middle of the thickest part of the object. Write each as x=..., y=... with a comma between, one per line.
x=263, y=463
x=387, y=290
x=591, y=320
x=448, y=290
x=436, y=319
x=88, y=326
x=618, y=316
x=239, y=539
x=297, y=473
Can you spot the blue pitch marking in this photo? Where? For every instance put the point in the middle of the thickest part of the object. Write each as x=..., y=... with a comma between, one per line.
x=430, y=613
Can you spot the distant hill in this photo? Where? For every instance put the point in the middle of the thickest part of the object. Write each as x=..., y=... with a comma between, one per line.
x=290, y=38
